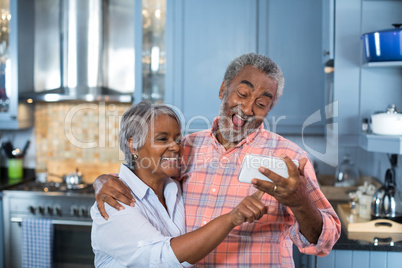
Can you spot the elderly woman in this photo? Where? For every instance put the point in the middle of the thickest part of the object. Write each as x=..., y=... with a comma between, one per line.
x=152, y=233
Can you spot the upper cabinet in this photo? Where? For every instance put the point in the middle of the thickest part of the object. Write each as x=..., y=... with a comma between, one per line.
x=328, y=27
x=13, y=114
x=202, y=37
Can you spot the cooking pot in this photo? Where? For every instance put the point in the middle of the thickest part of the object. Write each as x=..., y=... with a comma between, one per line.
x=73, y=180
x=387, y=201
x=389, y=123
x=384, y=45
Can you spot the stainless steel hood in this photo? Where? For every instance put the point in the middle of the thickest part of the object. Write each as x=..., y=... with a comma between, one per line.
x=83, y=51
x=87, y=94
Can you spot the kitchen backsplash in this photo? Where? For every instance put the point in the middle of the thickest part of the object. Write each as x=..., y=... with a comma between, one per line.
x=78, y=135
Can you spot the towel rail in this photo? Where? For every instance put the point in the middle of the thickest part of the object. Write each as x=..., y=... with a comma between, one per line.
x=60, y=222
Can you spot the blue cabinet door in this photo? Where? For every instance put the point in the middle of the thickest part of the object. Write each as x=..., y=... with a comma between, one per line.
x=290, y=33
x=204, y=36
x=359, y=258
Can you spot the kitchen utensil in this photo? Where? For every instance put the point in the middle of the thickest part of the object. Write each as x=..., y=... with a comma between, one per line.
x=387, y=200
x=384, y=45
x=17, y=153
x=74, y=180
x=41, y=177
x=346, y=173
x=24, y=151
x=8, y=148
x=388, y=123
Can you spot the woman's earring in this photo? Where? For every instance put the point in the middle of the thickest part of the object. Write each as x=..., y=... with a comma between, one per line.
x=133, y=158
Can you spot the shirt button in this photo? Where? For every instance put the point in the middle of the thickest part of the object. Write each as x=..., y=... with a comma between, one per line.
x=213, y=190
x=204, y=222
x=224, y=158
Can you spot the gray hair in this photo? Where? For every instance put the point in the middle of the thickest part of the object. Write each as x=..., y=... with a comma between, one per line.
x=260, y=62
x=136, y=122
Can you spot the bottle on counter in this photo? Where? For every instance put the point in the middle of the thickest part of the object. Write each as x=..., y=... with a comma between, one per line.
x=346, y=174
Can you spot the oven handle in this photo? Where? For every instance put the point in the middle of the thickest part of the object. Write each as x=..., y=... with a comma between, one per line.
x=60, y=222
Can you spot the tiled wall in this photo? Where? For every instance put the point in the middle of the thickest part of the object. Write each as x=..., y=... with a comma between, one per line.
x=77, y=134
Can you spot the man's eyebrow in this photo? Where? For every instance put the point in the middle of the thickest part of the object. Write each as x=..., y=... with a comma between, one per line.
x=248, y=83
x=267, y=94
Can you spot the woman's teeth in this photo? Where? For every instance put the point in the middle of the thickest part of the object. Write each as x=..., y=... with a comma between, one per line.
x=169, y=158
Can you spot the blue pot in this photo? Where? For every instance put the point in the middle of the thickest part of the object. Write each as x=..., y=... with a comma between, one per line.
x=385, y=45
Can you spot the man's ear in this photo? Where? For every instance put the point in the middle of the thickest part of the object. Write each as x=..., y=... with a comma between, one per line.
x=130, y=145
x=222, y=90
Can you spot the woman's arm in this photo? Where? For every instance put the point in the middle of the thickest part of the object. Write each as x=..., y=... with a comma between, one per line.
x=194, y=246
x=126, y=230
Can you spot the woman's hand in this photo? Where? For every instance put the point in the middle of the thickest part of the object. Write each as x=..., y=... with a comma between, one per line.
x=250, y=209
x=110, y=189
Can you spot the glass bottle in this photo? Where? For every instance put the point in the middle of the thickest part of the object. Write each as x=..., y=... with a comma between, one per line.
x=346, y=174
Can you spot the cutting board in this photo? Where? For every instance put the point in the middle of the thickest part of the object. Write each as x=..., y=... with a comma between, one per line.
x=376, y=231
x=89, y=170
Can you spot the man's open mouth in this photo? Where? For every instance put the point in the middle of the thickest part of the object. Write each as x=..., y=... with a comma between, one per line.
x=238, y=121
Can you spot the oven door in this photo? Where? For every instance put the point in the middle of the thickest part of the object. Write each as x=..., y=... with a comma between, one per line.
x=71, y=244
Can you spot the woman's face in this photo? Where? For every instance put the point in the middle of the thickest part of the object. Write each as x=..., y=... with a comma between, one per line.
x=159, y=158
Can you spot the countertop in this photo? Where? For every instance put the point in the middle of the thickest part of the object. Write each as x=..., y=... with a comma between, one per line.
x=344, y=243
x=347, y=244
x=29, y=175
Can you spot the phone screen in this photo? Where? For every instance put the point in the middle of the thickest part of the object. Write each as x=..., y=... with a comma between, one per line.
x=251, y=163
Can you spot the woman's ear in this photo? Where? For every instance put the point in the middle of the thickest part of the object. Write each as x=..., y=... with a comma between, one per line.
x=130, y=145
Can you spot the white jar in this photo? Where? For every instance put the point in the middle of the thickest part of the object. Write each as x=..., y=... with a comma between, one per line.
x=365, y=206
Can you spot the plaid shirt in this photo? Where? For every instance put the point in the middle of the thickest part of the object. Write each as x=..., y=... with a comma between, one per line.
x=211, y=188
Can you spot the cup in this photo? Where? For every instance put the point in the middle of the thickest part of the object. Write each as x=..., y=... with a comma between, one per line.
x=365, y=206
x=15, y=170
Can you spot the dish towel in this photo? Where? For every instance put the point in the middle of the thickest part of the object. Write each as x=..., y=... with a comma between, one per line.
x=37, y=243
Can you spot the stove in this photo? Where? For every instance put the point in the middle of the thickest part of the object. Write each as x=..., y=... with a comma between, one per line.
x=67, y=207
x=55, y=187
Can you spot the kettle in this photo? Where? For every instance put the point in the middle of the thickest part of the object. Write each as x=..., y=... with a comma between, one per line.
x=387, y=200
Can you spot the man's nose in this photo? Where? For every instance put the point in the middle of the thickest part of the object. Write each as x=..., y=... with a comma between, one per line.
x=248, y=107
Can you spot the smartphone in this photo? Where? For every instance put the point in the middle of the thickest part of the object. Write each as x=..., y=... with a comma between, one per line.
x=252, y=162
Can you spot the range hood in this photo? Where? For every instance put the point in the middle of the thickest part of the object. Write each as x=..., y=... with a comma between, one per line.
x=87, y=94
x=83, y=51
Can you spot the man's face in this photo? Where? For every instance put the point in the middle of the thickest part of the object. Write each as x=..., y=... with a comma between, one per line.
x=245, y=104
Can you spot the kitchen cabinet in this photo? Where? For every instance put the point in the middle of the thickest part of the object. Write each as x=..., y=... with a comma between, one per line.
x=357, y=259
x=202, y=37
x=328, y=27
x=14, y=114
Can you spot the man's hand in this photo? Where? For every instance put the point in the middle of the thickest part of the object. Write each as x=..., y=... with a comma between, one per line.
x=109, y=188
x=291, y=191
x=250, y=209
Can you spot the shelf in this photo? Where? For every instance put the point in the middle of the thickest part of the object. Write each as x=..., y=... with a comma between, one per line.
x=381, y=144
x=383, y=64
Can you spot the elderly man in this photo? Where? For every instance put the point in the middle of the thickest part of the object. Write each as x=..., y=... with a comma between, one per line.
x=211, y=164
